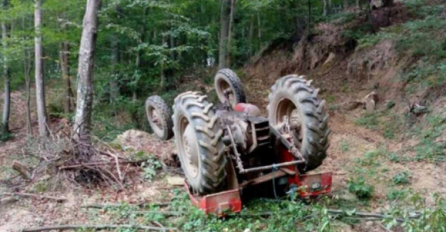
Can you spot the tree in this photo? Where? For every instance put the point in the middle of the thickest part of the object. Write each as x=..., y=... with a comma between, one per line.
x=6, y=76
x=39, y=74
x=224, y=31
x=82, y=120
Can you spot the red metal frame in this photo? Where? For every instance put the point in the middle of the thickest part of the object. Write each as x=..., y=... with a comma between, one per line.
x=217, y=203
x=309, y=185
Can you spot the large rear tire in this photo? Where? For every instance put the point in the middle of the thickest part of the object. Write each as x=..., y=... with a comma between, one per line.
x=294, y=98
x=198, y=137
x=158, y=114
x=227, y=80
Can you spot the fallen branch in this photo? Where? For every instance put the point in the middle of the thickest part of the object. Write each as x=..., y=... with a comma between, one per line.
x=59, y=199
x=98, y=163
x=371, y=215
x=96, y=227
x=111, y=205
x=22, y=169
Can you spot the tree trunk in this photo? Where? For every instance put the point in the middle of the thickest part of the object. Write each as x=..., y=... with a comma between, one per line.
x=259, y=31
x=64, y=66
x=27, y=69
x=309, y=16
x=224, y=30
x=358, y=5
x=325, y=7
x=346, y=3
x=114, y=88
x=250, y=35
x=163, y=75
x=39, y=76
x=231, y=22
x=82, y=120
x=6, y=76
x=138, y=62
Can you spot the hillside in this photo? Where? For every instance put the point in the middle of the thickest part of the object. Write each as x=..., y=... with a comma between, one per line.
x=384, y=82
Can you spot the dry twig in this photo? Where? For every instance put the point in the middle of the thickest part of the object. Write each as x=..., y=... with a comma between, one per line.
x=96, y=227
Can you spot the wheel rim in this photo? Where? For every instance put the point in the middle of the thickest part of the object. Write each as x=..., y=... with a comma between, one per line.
x=188, y=147
x=288, y=111
x=155, y=120
x=223, y=86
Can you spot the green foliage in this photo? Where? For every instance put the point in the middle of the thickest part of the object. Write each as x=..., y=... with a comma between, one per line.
x=402, y=178
x=345, y=146
x=368, y=120
x=360, y=188
x=397, y=194
x=416, y=215
x=428, y=148
x=150, y=167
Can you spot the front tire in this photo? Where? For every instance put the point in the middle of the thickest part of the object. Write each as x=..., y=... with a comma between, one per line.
x=158, y=114
x=294, y=98
x=227, y=80
x=198, y=137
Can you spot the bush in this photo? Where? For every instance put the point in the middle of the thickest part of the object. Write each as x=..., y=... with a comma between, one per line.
x=360, y=188
x=401, y=178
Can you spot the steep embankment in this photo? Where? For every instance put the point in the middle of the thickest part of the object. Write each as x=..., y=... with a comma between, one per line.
x=398, y=56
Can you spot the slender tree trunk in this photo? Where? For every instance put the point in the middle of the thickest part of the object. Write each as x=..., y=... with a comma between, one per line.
x=27, y=66
x=259, y=31
x=64, y=66
x=224, y=30
x=330, y=6
x=27, y=69
x=250, y=35
x=231, y=23
x=114, y=88
x=6, y=76
x=325, y=7
x=163, y=75
x=346, y=3
x=138, y=61
x=309, y=16
x=39, y=76
x=358, y=5
x=82, y=120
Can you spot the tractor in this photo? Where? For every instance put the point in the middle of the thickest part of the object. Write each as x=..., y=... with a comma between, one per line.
x=229, y=152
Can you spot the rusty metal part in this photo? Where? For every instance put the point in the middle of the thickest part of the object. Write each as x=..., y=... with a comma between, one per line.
x=271, y=167
x=264, y=178
x=289, y=145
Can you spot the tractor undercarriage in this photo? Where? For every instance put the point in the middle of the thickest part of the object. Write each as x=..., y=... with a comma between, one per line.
x=228, y=149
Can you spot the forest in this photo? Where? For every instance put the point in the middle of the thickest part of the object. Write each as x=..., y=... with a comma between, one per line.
x=281, y=115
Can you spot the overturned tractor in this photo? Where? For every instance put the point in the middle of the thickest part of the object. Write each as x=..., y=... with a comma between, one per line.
x=229, y=150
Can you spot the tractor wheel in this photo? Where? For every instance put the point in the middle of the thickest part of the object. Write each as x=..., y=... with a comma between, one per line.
x=158, y=114
x=293, y=99
x=198, y=138
x=227, y=80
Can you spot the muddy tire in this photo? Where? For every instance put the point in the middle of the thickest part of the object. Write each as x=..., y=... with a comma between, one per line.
x=227, y=79
x=159, y=117
x=294, y=97
x=198, y=138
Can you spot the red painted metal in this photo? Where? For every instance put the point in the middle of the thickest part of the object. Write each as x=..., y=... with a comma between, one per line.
x=250, y=109
x=217, y=203
x=308, y=186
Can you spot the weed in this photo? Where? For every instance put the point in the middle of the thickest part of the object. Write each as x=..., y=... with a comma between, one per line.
x=345, y=146
x=402, y=178
x=150, y=167
x=397, y=194
x=428, y=148
x=368, y=120
x=360, y=188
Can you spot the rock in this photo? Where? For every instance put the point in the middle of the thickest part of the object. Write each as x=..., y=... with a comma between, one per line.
x=175, y=180
x=330, y=58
